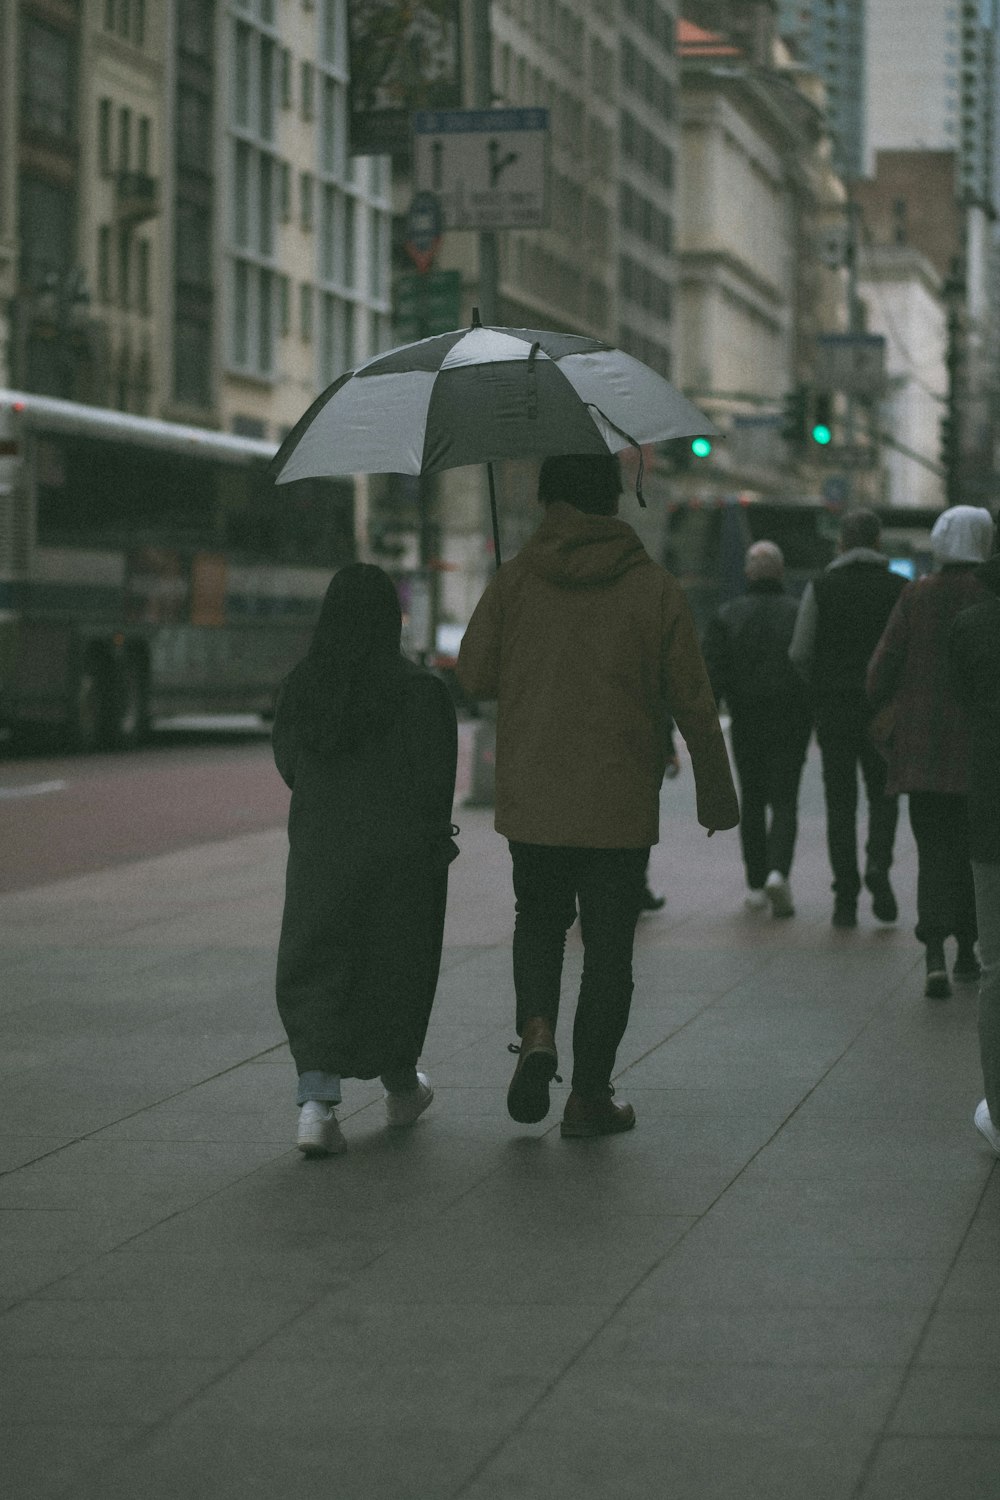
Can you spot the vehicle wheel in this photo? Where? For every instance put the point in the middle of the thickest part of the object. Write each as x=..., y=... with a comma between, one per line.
x=86, y=723
x=132, y=703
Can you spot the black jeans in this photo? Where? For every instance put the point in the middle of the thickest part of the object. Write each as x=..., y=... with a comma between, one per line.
x=844, y=745
x=769, y=752
x=608, y=883
x=946, y=895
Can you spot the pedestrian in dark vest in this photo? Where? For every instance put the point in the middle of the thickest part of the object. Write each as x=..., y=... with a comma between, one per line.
x=746, y=652
x=927, y=748
x=583, y=641
x=368, y=744
x=841, y=617
x=975, y=658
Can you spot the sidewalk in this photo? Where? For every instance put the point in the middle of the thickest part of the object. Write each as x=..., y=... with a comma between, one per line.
x=784, y=1285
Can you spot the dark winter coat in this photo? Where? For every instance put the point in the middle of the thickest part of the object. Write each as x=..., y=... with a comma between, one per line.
x=746, y=653
x=841, y=617
x=975, y=664
x=583, y=640
x=928, y=744
x=369, y=834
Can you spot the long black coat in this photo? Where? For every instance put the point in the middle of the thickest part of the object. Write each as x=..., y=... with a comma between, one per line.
x=366, y=885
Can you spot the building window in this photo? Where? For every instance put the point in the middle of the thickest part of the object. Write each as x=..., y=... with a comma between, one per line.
x=104, y=263
x=47, y=220
x=194, y=245
x=307, y=91
x=306, y=313
x=192, y=361
x=104, y=136
x=124, y=265
x=284, y=306
x=143, y=267
x=286, y=78
x=285, y=191
x=306, y=204
x=124, y=139
x=194, y=130
x=145, y=149
x=47, y=81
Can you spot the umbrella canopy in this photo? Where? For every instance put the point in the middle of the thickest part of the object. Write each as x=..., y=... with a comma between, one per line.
x=481, y=394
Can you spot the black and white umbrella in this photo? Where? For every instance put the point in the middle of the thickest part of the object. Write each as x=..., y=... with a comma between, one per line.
x=481, y=394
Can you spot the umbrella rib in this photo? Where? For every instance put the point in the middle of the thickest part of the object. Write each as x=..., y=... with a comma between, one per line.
x=630, y=440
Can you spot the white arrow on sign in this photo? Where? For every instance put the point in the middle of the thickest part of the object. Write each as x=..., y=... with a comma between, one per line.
x=488, y=167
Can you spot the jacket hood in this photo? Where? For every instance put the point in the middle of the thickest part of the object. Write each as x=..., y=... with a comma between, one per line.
x=576, y=550
x=962, y=534
x=860, y=555
x=989, y=573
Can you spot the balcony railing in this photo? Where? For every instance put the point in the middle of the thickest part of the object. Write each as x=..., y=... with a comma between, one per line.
x=137, y=197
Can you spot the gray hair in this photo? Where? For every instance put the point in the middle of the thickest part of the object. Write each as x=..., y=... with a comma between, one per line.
x=764, y=560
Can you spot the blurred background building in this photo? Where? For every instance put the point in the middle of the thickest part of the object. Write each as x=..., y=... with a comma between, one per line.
x=743, y=193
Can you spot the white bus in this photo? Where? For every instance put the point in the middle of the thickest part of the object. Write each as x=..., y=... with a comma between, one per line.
x=149, y=569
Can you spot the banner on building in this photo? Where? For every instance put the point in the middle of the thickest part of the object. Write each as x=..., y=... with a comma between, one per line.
x=404, y=56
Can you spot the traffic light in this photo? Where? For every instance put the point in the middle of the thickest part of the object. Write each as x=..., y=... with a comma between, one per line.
x=794, y=416
x=701, y=447
x=821, y=426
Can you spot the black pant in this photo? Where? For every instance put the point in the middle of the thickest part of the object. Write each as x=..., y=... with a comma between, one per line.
x=608, y=883
x=769, y=751
x=844, y=745
x=946, y=897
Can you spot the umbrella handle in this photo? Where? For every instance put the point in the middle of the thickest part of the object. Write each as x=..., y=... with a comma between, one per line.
x=493, y=517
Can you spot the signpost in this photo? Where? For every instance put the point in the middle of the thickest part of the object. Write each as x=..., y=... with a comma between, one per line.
x=488, y=167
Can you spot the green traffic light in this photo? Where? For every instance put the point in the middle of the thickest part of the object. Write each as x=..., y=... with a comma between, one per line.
x=701, y=447
x=821, y=434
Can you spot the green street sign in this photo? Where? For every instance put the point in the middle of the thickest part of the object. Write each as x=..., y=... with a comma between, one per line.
x=425, y=304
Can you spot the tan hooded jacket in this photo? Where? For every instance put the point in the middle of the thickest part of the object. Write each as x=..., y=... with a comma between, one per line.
x=583, y=640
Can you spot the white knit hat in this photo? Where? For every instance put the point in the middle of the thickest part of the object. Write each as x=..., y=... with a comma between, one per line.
x=963, y=534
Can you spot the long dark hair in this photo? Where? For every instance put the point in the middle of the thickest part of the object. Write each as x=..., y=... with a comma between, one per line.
x=348, y=688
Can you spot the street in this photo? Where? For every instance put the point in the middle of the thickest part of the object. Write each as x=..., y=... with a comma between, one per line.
x=72, y=814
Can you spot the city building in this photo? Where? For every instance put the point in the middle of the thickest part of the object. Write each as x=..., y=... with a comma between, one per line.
x=182, y=230
x=758, y=194
x=829, y=37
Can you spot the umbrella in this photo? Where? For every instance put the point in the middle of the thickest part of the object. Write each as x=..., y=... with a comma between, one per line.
x=481, y=394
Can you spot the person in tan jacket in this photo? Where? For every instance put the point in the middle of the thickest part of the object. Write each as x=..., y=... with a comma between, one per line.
x=582, y=639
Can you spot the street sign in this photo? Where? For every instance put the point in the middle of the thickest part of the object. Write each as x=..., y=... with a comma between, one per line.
x=488, y=167
x=851, y=362
x=426, y=303
x=423, y=230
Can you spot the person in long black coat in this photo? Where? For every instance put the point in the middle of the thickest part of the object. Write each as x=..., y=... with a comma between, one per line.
x=367, y=741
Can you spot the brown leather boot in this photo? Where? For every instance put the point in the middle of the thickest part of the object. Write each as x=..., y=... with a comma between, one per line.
x=585, y=1117
x=528, y=1095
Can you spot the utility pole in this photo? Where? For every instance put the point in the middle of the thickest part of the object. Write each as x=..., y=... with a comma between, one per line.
x=482, y=84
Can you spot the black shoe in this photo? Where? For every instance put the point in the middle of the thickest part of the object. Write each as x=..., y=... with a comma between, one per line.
x=937, y=986
x=845, y=914
x=883, y=901
x=528, y=1095
x=649, y=902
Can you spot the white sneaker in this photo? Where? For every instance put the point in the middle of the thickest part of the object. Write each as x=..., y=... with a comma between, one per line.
x=403, y=1109
x=319, y=1130
x=778, y=892
x=755, y=900
x=986, y=1127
